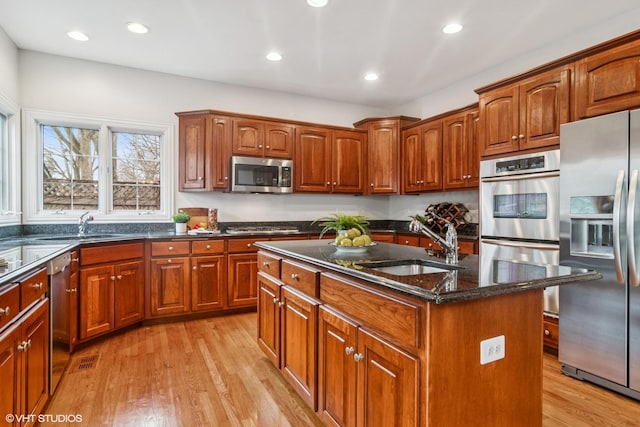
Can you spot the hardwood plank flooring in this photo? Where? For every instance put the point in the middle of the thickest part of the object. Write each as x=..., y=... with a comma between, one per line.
x=210, y=372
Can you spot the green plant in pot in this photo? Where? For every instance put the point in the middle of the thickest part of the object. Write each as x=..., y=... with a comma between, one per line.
x=181, y=219
x=351, y=230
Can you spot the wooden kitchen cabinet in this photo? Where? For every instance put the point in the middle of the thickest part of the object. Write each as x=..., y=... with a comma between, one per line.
x=111, y=288
x=269, y=299
x=526, y=114
x=551, y=337
x=383, y=153
x=262, y=138
x=242, y=270
x=208, y=275
x=24, y=364
x=204, y=150
x=608, y=81
x=422, y=158
x=170, y=285
x=461, y=160
x=329, y=160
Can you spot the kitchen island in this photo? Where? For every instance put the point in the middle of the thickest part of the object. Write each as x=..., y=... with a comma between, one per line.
x=392, y=335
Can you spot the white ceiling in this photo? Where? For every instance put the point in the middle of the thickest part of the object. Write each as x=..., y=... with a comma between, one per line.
x=326, y=51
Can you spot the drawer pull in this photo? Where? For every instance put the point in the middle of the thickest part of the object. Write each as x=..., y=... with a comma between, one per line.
x=349, y=350
x=37, y=285
x=547, y=332
x=294, y=276
x=70, y=290
x=265, y=263
x=170, y=248
x=248, y=245
x=5, y=311
x=208, y=246
x=358, y=357
x=169, y=261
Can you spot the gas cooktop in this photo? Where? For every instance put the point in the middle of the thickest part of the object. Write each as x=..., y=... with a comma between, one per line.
x=261, y=230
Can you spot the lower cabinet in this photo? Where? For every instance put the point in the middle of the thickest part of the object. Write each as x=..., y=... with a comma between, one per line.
x=24, y=365
x=170, y=290
x=242, y=288
x=363, y=380
x=207, y=283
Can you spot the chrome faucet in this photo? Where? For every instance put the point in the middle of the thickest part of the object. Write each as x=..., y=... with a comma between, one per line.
x=449, y=243
x=82, y=223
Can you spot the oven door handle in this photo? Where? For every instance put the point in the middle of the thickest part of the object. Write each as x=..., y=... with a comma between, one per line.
x=521, y=177
x=617, y=209
x=631, y=239
x=528, y=245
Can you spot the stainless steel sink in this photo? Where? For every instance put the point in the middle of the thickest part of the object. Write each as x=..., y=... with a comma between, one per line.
x=410, y=267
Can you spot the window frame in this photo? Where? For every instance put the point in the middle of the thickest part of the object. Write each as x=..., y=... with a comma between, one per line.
x=12, y=215
x=33, y=182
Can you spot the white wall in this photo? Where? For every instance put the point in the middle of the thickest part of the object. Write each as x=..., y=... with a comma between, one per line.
x=8, y=68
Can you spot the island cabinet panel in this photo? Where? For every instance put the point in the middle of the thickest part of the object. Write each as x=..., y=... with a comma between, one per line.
x=608, y=81
x=506, y=392
x=269, y=295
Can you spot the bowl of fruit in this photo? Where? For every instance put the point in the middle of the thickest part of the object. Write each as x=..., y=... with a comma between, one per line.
x=352, y=232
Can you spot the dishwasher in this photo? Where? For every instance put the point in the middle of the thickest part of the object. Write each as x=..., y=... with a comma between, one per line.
x=60, y=295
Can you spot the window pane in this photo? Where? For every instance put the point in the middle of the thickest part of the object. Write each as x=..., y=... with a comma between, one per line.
x=4, y=164
x=136, y=171
x=70, y=168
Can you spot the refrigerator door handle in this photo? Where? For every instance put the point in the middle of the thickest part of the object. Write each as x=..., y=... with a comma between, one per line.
x=617, y=202
x=631, y=214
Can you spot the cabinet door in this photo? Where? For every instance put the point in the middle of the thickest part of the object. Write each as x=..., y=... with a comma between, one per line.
x=388, y=386
x=473, y=150
x=454, y=147
x=431, y=156
x=96, y=301
x=383, y=155
x=411, y=167
x=242, y=287
x=35, y=361
x=278, y=140
x=269, y=317
x=336, y=369
x=208, y=283
x=312, y=169
x=221, y=148
x=608, y=81
x=129, y=293
x=74, y=284
x=248, y=137
x=170, y=290
x=193, y=152
x=544, y=106
x=9, y=371
x=348, y=162
x=298, y=348
x=499, y=121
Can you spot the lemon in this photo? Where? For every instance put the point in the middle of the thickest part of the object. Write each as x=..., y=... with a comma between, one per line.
x=367, y=240
x=359, y=241
x=346, y=242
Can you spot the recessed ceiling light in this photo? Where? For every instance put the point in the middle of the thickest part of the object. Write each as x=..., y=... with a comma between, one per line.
x=452, y=28
x=274, y=56
x=77, y=35
x=317, y=3
x=136, y=27
x=371, y=77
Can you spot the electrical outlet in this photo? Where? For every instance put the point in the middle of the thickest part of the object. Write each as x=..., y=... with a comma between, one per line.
x=492, y=349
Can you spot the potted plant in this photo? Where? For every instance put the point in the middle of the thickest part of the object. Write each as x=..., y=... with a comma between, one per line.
x=181, y=219
x=351, y=230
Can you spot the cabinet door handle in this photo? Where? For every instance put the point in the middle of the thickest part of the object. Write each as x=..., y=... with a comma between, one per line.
x=521, y=136
x=113, y=278
x=199, y=178
x=70, y=290
x=294, y=276
x=5, y=311
x=23, y=346
x=328, y=183
x=37, y=285
x=75, y=259
x=547, y=332
x=358, y=357
x=280, y=303
x=275, y=300
x=119, y=276
x=267, y=147
x=372, y=185
x=259, y=145
x=194, y=268
x=226, y=178
x=335, y=183
x=265, y=263
x=513, y=137
x=169, y=261
x=349, y=350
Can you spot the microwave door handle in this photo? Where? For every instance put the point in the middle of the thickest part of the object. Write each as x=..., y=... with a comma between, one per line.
x=617, y=209
x=631, y=214
x=516, y=244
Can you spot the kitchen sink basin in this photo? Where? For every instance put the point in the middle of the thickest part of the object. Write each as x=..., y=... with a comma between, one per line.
x=410, y=267
x=83, y=237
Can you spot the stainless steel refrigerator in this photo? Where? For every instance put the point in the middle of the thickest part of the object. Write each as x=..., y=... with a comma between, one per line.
x=600, y=229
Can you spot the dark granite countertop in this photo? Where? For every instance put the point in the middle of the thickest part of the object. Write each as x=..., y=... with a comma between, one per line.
x=466, y=282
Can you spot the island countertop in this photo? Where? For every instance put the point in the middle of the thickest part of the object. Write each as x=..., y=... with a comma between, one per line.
x=469, y=279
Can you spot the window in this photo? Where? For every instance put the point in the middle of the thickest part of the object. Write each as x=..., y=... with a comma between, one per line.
x=9, y=163
x=115, y=170
x=4, y=164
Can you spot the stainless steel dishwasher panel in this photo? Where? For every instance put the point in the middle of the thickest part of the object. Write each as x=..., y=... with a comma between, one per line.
x=59, y=296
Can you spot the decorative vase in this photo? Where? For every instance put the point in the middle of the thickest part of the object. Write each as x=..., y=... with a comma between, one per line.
x=181, y=227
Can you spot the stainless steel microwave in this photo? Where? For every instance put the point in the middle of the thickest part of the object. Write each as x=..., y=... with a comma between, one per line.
x=261, y=175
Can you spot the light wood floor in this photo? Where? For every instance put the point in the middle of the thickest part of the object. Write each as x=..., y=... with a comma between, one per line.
x=211, y=373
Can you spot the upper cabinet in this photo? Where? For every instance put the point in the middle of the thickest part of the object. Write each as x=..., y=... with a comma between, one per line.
x=203, y=151
x=608, y=81
x=383, y=153
x=329, y=160
x=526, y=114
x=262, y=138
x=421, y=153
x=461, y=160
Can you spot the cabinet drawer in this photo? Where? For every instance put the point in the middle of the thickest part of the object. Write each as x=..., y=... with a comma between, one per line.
x=269, y=264
x=110, y=253
x=33, y=287
x=551, y=333
x=467, y=246
x=390, y=315
x=207, y=247
x=300, y=277
x=408, y=239
x=9, y=304
x=244, y=245
x=387, y=237
x=169, y=248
